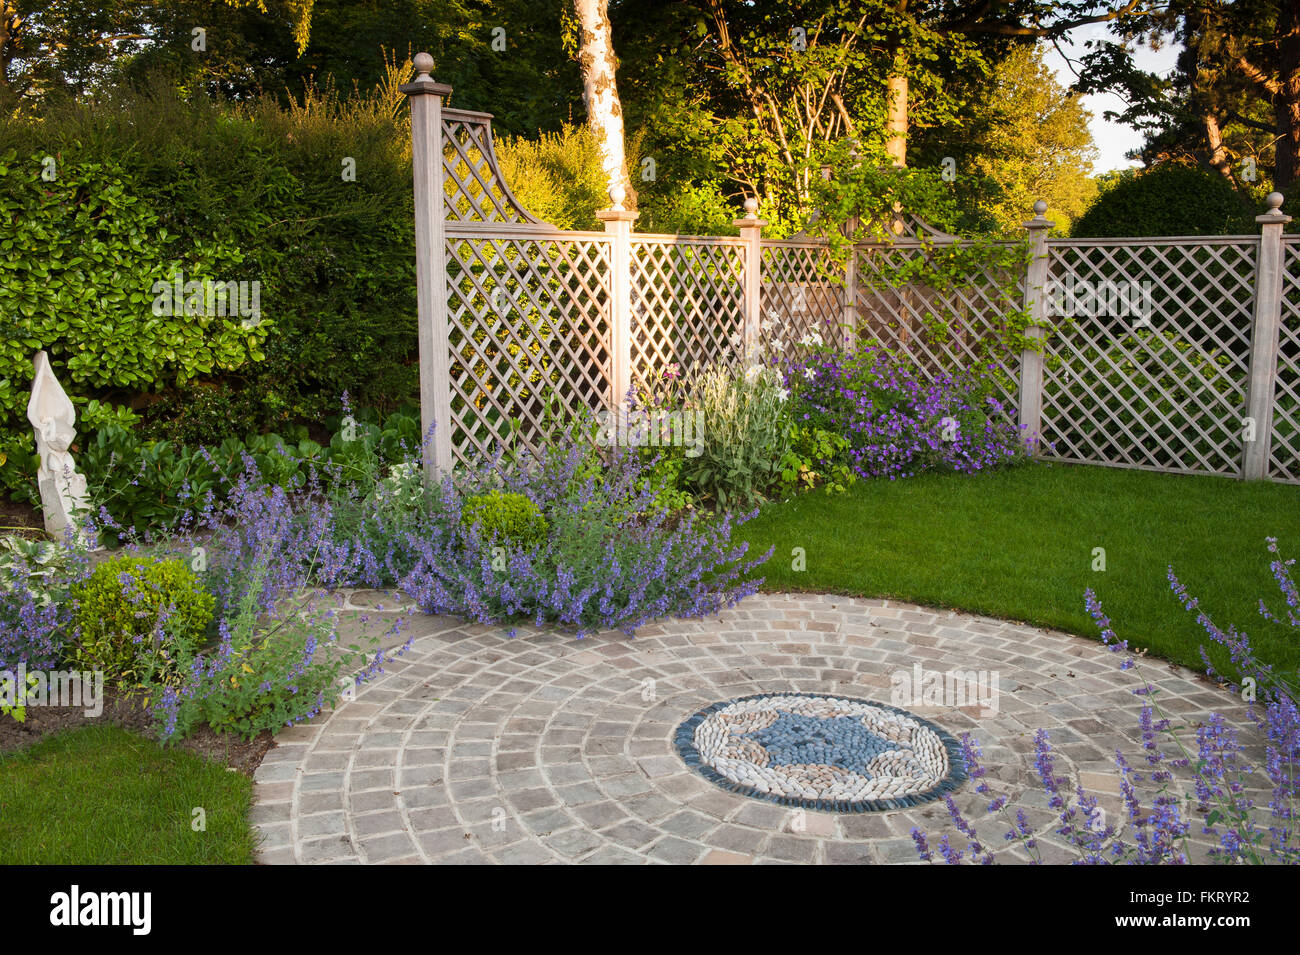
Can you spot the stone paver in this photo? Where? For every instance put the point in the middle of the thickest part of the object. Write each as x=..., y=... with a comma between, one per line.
x=479, y=747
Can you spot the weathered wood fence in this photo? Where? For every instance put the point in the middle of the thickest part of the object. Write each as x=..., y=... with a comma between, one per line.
x=1177, y=354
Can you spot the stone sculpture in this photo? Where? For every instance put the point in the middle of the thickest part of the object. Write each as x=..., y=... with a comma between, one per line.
x=63, y=490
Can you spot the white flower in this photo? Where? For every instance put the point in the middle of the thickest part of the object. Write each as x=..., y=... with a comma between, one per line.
x=752, y=373
x=809, y=374
x=811, y=339
x=782, y=393
x=778, y=344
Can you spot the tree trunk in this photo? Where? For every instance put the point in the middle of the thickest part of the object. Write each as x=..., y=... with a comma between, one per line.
x=896, y=93
x=896, y=115
x=604, y=111
x=1286, y=103
x=7, y=15
x=1217, y=155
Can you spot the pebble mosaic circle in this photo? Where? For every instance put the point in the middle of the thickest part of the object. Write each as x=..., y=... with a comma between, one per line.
x=821, y=752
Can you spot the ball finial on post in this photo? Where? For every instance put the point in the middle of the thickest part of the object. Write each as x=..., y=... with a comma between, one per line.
x=751, y=208
x=423, y=63
x=1274, y=202
x=1040, y=207
x=617, y=194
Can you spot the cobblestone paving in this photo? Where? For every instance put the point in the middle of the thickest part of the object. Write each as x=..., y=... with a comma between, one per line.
x=477, y=747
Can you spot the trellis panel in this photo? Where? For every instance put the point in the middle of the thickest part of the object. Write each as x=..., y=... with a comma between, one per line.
x=943, y=330
x=1284, y=452
x=801, y=295
x=533, y=322
x=529, y=325
x=474, y=189
x=1160, y=391
x=688, y=303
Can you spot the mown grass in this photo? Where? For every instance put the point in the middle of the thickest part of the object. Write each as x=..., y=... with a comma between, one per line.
x=1019, y=544
x=99, y=795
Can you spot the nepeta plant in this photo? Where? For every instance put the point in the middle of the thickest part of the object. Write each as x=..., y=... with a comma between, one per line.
x=264, y=674
x=1221, y=776
x=610, y=556
x=277, y=657
x=603, y=553
x=613, y=557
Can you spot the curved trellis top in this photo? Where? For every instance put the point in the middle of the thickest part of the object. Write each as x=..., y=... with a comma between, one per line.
x=906, y=228
x=475, y=191
x=915, y=227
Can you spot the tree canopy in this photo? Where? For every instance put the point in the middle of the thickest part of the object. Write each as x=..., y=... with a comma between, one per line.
x=727, y=99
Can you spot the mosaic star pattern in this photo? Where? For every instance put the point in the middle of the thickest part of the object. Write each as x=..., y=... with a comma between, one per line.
x=821, y=752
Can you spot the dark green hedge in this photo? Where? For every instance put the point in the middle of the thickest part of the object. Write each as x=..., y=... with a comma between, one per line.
x=253, y=192
x=1169, y=199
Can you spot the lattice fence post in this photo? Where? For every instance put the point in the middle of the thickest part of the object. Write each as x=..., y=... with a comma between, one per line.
x=751, y=230
x=431, y=265
x=1263, y=341
x=849, y=317
x=618, y=223
x=1031, y=359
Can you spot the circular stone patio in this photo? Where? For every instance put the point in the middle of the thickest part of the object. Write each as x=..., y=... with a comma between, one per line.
x=478, y=747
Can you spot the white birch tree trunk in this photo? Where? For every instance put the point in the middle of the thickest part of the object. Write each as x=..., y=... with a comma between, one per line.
x=896, y=117
x=604, y=111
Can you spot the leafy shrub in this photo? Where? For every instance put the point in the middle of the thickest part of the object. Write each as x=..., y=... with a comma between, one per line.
x=816, y=459
x=1168, y=199
x=746, y=427
x=557, y=177
x=505, y=517
x=898, y=423
x=77, y=281
x=203, y=412
x=687, y=209
x=135, y=617
x=151, y=181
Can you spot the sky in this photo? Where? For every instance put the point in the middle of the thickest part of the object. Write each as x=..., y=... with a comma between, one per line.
x=1113, y=140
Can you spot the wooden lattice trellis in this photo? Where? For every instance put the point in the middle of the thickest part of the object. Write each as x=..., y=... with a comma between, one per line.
x=943, y=330
x=802, y=297
x=1284, y=451
x=475, y=191
x=1163, y=388
x=529, y=327
x=517, y=317
x=687, y=303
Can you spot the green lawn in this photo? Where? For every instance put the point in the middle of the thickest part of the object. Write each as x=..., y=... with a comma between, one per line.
x=1018, y=544
x=101, y=795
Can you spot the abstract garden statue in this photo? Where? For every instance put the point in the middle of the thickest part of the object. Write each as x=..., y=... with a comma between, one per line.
x=63, y=490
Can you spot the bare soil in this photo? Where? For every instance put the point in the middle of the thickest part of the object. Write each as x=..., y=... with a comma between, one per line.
x=13, y=514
